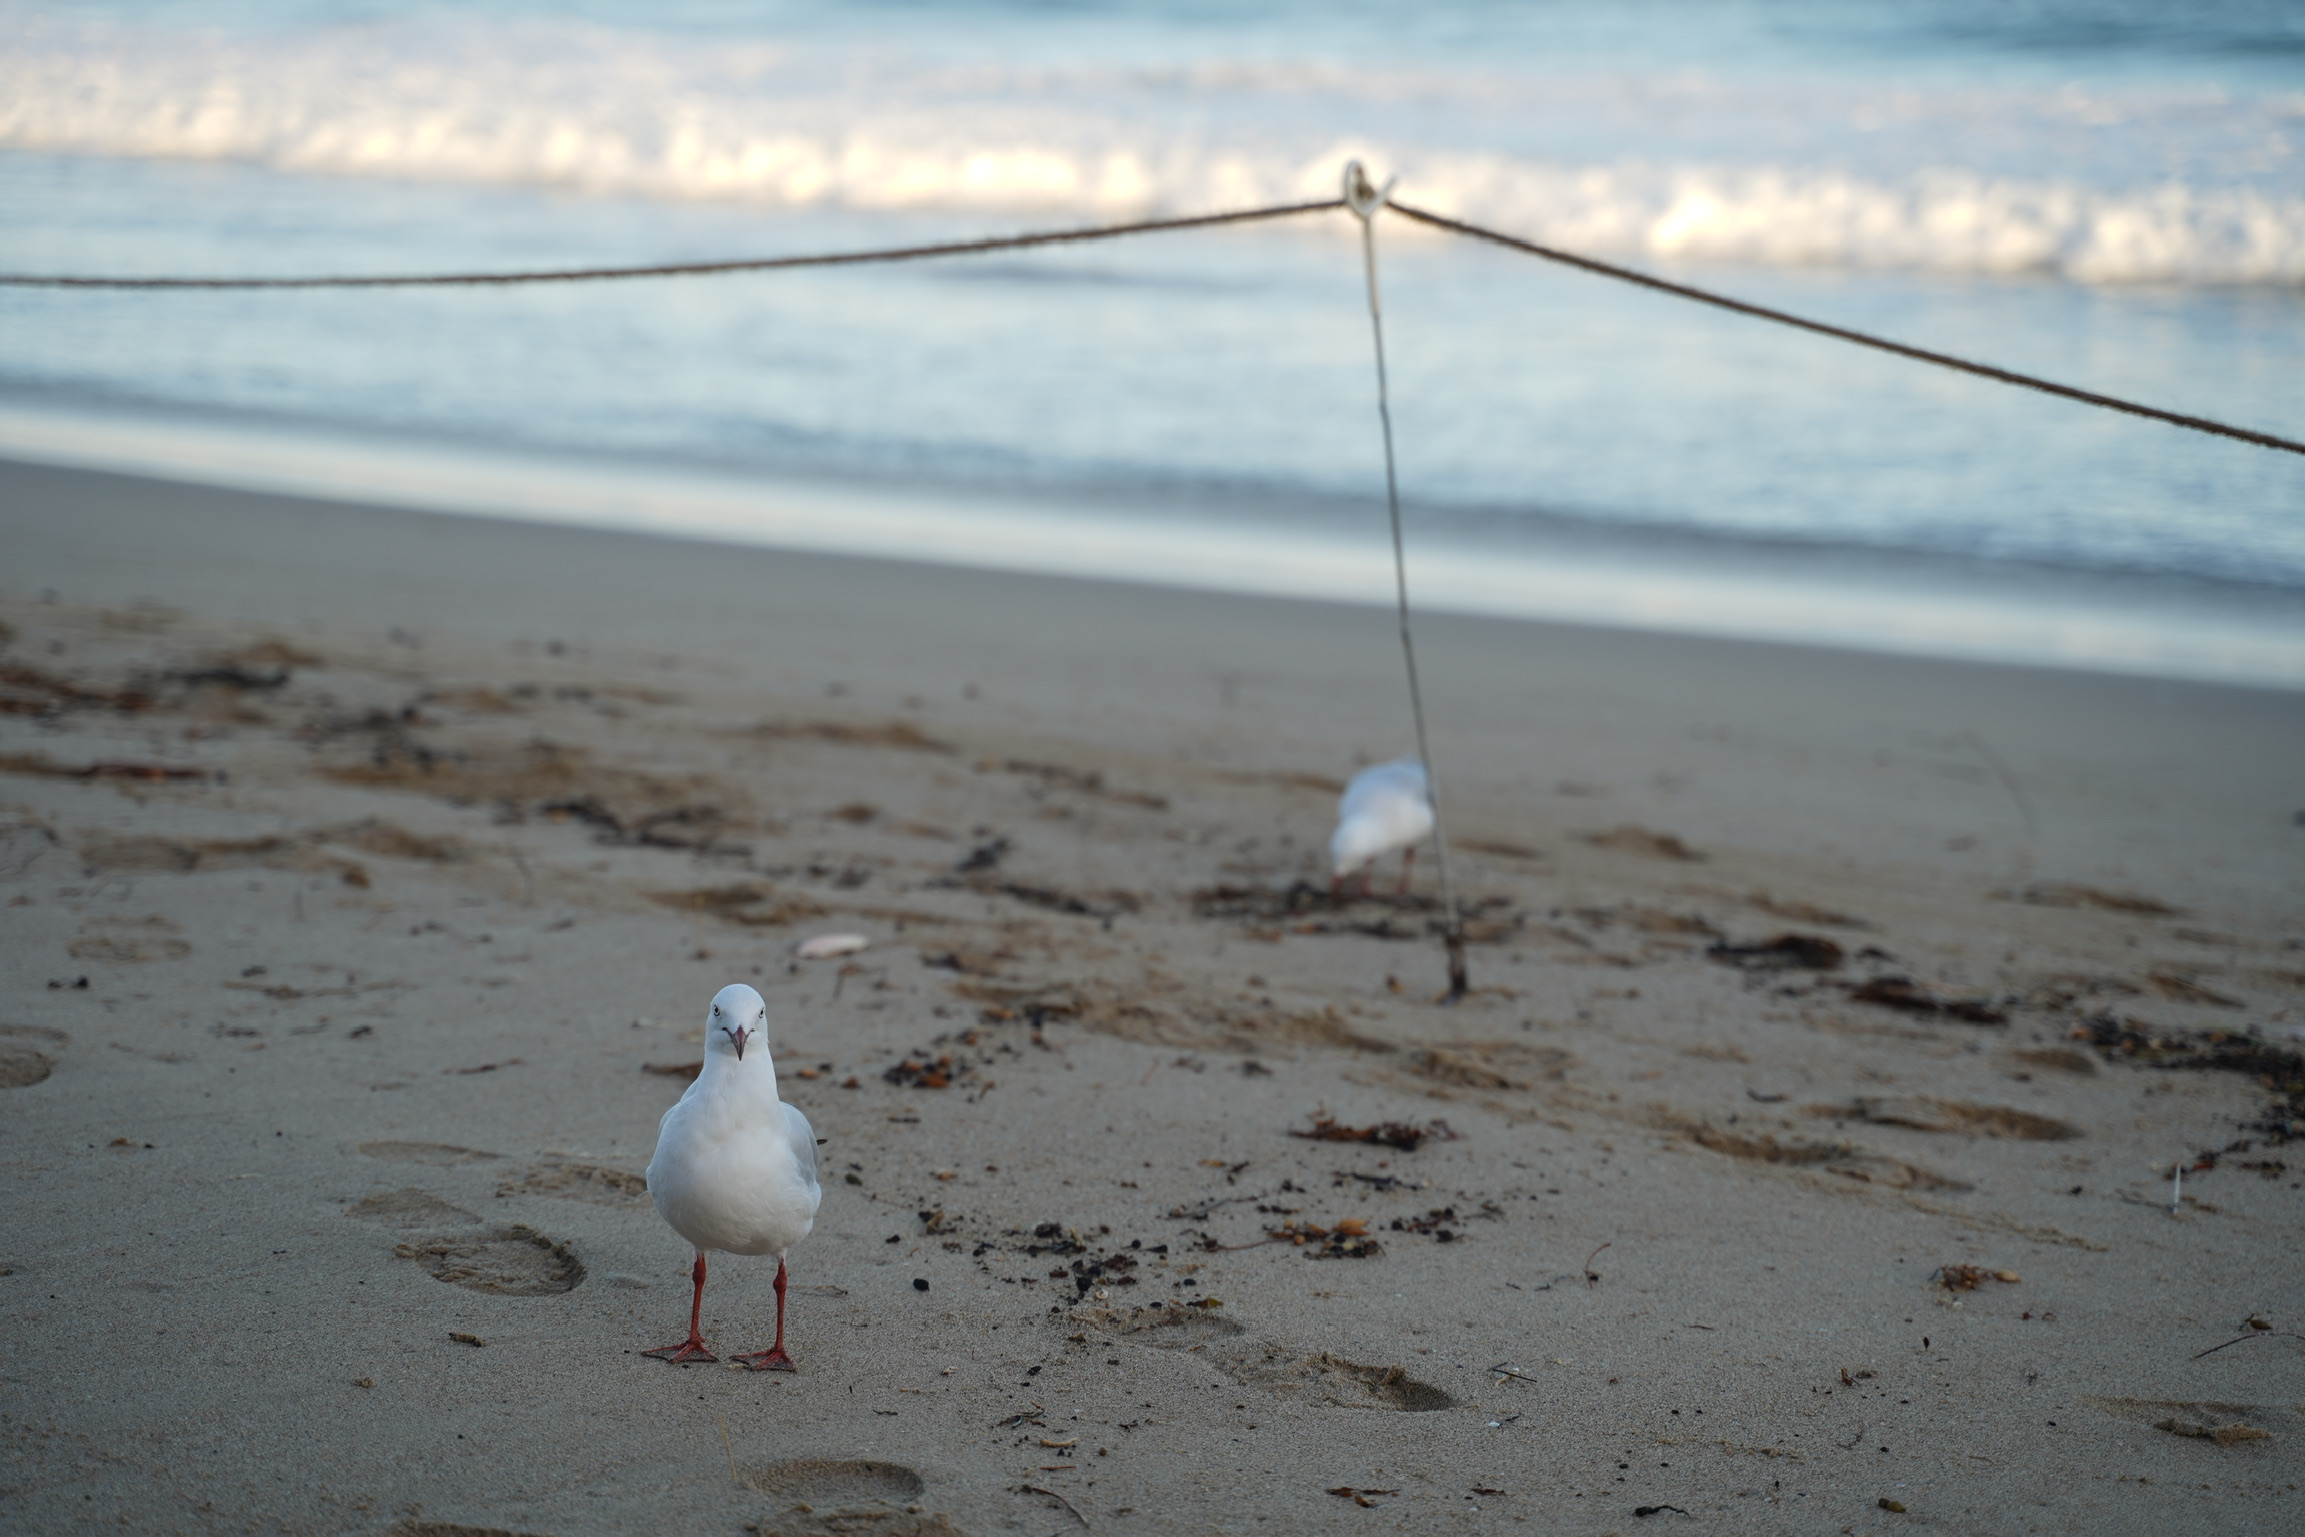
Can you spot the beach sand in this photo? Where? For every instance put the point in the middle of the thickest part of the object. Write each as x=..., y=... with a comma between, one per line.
x=360, y=871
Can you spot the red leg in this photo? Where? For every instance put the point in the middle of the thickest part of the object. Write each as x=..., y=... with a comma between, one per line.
x=1408, y=863
x=773, y=1359
x=692, y=1348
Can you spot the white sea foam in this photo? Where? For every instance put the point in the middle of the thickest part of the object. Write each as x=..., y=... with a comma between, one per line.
x=2173, y=187
x=1947, y=220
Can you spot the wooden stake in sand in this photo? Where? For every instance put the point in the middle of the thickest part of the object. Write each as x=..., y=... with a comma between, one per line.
x=1365, y=200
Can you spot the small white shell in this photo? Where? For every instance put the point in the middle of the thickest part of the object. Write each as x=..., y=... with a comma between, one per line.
x=823, y=947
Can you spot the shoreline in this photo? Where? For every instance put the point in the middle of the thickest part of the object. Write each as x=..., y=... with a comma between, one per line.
x=1890, y=603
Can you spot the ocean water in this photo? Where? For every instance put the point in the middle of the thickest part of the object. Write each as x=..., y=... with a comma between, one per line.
x=2106, y=193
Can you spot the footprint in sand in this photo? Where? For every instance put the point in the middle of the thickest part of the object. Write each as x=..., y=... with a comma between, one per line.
x=2065, y=894
x=557, y=1175
x=830, y=1496
x=511, y=1261
x=827, y=1481
x=848, y=1521
x=571, y=1180
x=1922, y=1114
x=22, y=1062
x=1488, y=1064
x=438, y=1154
x=1841, y=1158
x=123, y=949
x=1316, y=1377
x=410, y=1208
x=1629, y=839
x=2227, y=1424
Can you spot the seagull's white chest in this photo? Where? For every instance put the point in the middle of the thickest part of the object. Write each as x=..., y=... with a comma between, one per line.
x=728, y=1172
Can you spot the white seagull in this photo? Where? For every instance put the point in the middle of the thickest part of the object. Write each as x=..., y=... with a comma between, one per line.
x=1385, y=808
x=735, y=1167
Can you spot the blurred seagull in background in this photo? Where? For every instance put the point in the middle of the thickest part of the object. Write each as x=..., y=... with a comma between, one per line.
x=1385, y=808
x=735, y=1167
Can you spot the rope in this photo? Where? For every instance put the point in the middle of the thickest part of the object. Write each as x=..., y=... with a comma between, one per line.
x=1201, y=221
x=1365, y=201
x=696, y=269
x=1843, y=333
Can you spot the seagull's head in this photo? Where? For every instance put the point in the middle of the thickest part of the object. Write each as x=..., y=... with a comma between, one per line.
x=738, y=1017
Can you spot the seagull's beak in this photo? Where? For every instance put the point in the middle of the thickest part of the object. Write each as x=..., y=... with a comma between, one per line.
x=737, y=1034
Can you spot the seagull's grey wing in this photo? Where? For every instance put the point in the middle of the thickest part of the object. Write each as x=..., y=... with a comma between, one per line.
x=1404, y=779
x=803, y=1138
x=1418, y=782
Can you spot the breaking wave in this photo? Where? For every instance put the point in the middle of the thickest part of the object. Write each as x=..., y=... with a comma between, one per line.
x=612, y=113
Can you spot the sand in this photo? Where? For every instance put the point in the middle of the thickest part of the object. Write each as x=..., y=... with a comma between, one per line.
x=366, y=874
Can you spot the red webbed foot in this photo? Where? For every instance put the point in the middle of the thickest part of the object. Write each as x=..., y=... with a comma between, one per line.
x=691, y=1349
x=770, y=1360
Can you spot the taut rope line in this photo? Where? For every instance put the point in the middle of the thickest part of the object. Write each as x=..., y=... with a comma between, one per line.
x=1201, y=221
x=1843, y=333
x=697, y=269
x=1365, y=202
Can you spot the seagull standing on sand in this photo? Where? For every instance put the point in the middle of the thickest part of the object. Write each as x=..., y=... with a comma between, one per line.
x=1385, y=808
x=735, y=1167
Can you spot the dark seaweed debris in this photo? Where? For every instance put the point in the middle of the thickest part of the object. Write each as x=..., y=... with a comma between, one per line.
x=680, y=827
x=1263, y=902
x=31, y=691
x=1055, y=901
x=230, y=675
x=921, y=1071
x=1051, y=1238
x=1380, y=1181
x=1086, y=781
x=1361, y=1497
x=1915, y=998
x=1441, y=1222
x=984, y=856
x=39, y=765
x=1487, y=920
x=1787, y=952
x=1111, y=1270
x=2278, y=1068
x=1349, y=1239
x=1404, y=1135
